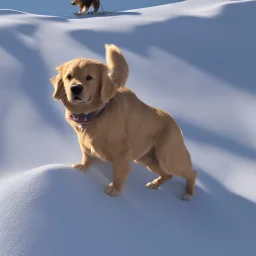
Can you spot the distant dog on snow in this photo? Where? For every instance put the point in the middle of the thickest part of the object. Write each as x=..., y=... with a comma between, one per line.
x=84, y=5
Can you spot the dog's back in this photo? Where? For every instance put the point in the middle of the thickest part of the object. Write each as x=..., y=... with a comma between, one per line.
x=95, y=3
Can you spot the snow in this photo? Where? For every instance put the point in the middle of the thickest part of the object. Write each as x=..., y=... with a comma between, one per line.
x=60, y=7
x=195, y=59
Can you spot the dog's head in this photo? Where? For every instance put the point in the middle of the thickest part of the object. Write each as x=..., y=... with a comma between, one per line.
x=76, y=2
x=83, y=85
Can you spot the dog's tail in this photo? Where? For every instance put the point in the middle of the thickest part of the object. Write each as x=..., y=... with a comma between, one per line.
x=117, y=65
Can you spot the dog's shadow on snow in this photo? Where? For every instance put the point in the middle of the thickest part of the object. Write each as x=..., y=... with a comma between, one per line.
x=121, y=13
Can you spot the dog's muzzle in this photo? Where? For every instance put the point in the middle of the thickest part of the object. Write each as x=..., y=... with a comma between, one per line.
x=73, y=3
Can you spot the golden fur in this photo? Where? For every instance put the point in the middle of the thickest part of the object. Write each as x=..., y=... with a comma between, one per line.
x=129, y=130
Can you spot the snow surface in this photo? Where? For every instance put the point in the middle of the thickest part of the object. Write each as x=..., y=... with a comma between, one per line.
x=195, y=59
x=63, y=7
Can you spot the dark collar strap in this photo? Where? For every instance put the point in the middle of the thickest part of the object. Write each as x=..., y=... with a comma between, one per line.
x=87, y=118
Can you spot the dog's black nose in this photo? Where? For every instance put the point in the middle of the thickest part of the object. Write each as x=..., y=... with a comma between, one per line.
x=72, y=3
x=76, y=89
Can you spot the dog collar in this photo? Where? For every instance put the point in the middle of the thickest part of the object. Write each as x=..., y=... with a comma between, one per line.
x=84, y=118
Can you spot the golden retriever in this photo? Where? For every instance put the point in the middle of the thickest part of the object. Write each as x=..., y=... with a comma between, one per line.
x=114, y=125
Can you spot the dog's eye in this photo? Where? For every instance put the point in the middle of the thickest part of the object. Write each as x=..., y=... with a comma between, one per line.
x=88, y=78
x=69, y=76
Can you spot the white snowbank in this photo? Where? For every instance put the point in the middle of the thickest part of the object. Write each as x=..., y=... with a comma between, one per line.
x=196, y=60
x=54, y=210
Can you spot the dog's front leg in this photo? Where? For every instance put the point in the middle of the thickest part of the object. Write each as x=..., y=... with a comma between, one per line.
x=86, y=161
x=121, y=169
x=84, y=9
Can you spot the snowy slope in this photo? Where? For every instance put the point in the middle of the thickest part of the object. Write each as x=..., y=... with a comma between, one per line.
x=63, y=7
x=196, y=59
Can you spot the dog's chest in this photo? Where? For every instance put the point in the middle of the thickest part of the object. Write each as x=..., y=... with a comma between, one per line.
x=91, y=139
x=93, y=145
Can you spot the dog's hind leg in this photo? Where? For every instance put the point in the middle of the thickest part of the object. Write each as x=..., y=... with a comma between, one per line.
x=174, y=158
x=96, y=5
x=156, y=183
x=190, y=187
x=149, y=160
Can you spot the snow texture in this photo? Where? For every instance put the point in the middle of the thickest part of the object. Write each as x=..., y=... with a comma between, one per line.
x=195, y=59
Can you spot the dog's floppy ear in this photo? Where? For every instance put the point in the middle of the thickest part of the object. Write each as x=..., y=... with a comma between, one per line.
x=108, y=88
x=58, y=85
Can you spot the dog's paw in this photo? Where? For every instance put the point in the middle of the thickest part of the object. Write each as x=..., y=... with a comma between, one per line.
x=153, y=185
x=79, y=167
x=78, y=13
x=111, y=190
x=186, y=197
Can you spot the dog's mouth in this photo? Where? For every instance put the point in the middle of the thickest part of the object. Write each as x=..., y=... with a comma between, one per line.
x=78, y=100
